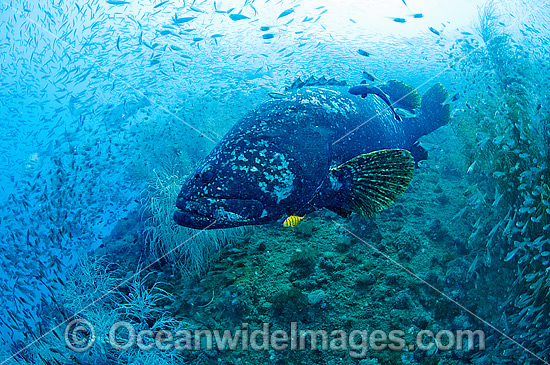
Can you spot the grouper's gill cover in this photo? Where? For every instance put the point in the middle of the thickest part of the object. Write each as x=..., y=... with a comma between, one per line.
x=316, y=148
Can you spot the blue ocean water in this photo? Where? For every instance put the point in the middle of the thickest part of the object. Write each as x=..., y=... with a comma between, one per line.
x=107, y=105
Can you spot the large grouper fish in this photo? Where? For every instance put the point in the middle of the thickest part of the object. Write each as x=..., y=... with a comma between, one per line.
x=315, y=148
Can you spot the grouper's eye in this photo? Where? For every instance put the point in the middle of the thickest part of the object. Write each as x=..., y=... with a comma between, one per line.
x=205, y=176
x=208, y=175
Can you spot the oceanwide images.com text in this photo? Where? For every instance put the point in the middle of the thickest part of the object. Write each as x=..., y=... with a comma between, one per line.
x=80, y=336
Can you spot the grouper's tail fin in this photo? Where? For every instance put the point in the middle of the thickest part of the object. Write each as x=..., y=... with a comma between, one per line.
x=434, y=113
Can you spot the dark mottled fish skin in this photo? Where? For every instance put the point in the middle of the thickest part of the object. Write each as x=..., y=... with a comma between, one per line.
x=277, y=160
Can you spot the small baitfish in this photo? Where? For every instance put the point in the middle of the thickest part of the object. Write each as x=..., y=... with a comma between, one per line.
x=319, y=147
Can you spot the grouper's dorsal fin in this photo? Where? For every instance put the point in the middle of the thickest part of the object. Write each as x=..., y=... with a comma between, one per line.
x=373, y=181
x=402, y=95
x=313, y=81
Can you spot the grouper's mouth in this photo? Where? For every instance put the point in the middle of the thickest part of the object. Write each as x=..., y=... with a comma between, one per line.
x=210, y=213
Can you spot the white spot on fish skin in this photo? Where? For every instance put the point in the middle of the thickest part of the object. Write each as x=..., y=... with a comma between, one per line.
x=284, y=191
x=328, y=91
x=269, y=177
x=312, y=100
x=221, y=213
x=341, y=105
x=283, y=181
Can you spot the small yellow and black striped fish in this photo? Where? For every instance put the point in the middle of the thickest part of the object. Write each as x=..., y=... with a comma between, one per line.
x=292, y=221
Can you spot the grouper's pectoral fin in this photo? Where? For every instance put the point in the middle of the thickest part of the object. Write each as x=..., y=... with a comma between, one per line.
x=369, y=183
